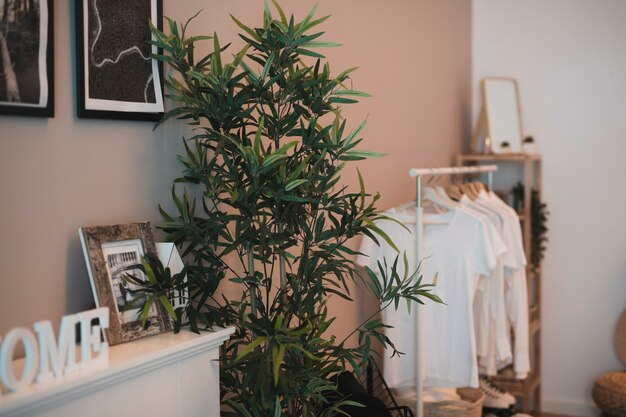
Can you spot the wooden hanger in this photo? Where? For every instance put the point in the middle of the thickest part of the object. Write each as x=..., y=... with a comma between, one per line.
x=454, y=192
x=431, y=195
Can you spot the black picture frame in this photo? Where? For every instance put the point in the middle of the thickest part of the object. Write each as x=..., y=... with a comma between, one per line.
x=109, y=86
x=111, y=252
x=34, y=87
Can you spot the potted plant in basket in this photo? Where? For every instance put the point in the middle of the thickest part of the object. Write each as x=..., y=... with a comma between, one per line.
x=261, y=205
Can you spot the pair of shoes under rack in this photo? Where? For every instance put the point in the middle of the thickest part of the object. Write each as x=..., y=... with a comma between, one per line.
x=495, y=397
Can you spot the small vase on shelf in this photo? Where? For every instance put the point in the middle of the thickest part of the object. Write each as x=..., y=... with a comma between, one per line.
x=529, y=147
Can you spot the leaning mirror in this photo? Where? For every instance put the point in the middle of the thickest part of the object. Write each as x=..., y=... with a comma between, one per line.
x=501, y=113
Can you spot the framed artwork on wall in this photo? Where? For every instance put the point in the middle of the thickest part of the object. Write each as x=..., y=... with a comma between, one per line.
x=27, y=58
x=117, y=77
x=111, y=252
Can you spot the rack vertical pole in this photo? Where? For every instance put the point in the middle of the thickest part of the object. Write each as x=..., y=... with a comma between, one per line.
x=419, y=339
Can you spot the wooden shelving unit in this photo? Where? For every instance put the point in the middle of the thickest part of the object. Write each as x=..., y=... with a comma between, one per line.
x=529, y=389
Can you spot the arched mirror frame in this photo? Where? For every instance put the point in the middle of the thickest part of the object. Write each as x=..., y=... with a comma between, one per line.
x=490, y=116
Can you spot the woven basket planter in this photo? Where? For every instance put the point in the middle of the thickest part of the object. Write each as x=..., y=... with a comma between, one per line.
x=609, y=393
x=471, y=405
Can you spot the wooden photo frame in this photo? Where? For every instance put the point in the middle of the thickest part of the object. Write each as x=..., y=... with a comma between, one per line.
x=27, y=58
x=117, y=77
x=110, y=252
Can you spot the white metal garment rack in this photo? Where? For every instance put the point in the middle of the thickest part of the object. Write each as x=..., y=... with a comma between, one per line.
x=419, y=231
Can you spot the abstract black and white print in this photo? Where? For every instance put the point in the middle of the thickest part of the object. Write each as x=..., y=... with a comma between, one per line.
x=120, y=75
x=23, y=43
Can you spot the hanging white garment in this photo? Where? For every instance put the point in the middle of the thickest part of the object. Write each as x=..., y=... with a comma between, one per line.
x=516, y=292
x=459, y=252
x=489, y=309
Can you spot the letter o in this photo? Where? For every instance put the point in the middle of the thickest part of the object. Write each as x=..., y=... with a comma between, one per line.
x=31, y=359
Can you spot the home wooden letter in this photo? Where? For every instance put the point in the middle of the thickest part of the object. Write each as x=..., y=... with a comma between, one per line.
x=61, y=356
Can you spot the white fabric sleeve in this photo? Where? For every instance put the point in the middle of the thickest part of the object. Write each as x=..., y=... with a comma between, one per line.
x=510, y=259
x=498, y=244
x=515, y=227
x=517, y=312
x=485, y=259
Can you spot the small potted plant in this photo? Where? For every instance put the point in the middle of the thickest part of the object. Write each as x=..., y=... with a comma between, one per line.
x=505, y=147
x=529, y=146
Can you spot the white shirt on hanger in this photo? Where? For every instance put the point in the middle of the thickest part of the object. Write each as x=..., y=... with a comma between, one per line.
x=516, y=292
x=489, y=312
x=493, y=335
x=459, y=252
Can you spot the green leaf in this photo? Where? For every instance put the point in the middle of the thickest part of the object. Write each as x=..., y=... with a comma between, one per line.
x=165, y=302
x=365, y=154
x=250, y=347
x=266, y=67
x=341, y=100
x=299, y=169
x=344, y=74
x=239, y=57
x=277, y=407
x=134, y=280
x=361, y=188
x=216, y=63
x=277, y=360
x=382, y=234
x=250, y=72
x=307, y=19
x=246, y=29
x=307, y=52
x=149, y=272
x=257, y=138
x=268, y=13
x=273, y=158
x=294, y=184
x=351, y=93
x=194, y=39
x=296, y=199
x=316, y=44
x=283, y=18
x=146, y=310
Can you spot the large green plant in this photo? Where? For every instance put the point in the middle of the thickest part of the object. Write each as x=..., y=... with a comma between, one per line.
x=273, y=217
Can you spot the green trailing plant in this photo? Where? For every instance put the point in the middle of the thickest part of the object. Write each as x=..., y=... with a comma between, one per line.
x=154, y=289
x=539, y=224
x=261, y=205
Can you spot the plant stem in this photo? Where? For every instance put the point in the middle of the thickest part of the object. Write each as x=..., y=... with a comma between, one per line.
x=281, y=265
x=251, y=274
x=363, y=323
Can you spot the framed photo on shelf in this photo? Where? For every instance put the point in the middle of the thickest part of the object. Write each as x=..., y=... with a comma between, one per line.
x=110, y=253
x=27, y=58
x=117, y=77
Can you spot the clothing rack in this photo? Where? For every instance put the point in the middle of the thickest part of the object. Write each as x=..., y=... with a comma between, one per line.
x=419, y=231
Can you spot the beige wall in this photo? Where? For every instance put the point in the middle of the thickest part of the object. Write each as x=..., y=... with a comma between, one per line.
x=62, y=173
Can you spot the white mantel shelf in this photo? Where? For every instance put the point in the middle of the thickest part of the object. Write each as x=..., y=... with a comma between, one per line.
x=174, y=369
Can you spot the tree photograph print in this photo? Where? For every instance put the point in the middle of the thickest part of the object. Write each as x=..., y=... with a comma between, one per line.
x=26, y=58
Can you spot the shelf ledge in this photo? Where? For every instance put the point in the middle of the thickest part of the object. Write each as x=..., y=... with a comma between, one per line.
x=126, y=361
